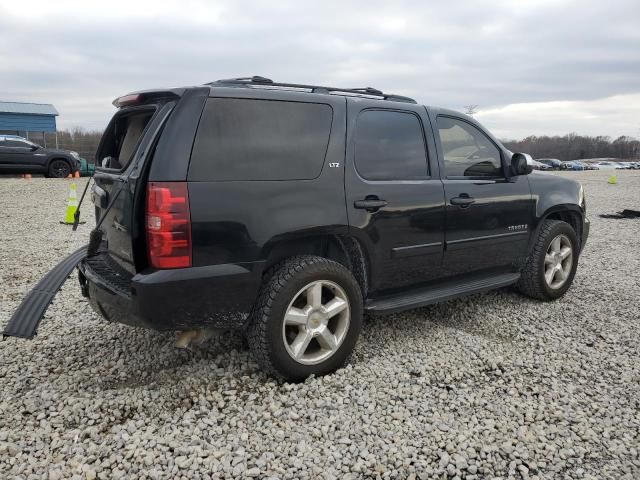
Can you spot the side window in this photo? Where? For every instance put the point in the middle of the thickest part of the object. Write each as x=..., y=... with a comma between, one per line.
x=390, y=145
x=467, y=151
x=18, y=143
x=245, y=139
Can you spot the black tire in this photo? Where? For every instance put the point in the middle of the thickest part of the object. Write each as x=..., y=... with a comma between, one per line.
x=59, y=168
x=532, y=280
x=283, y=283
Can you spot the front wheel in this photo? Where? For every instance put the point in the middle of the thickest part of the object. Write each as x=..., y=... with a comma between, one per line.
x=307, y=318
x=59, y=169
x=552, y=265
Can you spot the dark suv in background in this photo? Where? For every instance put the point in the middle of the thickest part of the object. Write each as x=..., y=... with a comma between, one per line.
x=287, y=211
x=19, y=155
x=554, y=163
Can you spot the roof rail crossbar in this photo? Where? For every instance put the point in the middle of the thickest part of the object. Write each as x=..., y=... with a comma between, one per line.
x=262, y=81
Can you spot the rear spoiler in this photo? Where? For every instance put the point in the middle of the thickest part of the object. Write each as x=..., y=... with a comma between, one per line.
x=25, y=320
x=145, y=96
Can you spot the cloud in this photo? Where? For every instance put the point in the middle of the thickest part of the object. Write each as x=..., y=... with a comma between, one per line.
x=617, y=114
x=495, y=53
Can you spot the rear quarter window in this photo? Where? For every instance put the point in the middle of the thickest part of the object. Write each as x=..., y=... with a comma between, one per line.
x=247, y=139
x=389, y=145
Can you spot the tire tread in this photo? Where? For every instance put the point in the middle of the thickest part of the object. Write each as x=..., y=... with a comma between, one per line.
x=276, y=279
x=530, y=283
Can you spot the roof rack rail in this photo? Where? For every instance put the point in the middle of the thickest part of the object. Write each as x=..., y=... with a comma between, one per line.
x=258, y=81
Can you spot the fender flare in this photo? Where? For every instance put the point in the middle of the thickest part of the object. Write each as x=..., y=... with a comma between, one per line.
x=560, y=209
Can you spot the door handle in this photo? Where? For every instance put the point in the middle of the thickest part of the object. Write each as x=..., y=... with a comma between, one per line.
x=463, y=201
x=370, y=204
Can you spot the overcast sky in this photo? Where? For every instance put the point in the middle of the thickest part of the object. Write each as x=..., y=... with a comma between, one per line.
x=532, y=66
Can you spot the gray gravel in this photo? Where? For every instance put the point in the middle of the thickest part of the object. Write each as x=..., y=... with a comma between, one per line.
x=492, y=386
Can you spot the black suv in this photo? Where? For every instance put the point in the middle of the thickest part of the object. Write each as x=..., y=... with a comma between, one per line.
x=288, y=211
x=19, y=155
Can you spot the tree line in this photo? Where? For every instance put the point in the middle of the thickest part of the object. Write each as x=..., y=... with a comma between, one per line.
x=574, y=147
x=567, y=147
x=85, y=142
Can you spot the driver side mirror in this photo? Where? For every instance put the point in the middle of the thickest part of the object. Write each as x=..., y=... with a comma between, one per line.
x=521, y=164
x=34, y=148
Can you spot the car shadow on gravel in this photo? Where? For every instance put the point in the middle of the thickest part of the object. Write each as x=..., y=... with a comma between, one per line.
x=160, y=363
x=137, y=357
x=467, y=314
x=148, y=359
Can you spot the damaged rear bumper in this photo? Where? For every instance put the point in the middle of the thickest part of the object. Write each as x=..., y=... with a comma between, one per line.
x=218, y=296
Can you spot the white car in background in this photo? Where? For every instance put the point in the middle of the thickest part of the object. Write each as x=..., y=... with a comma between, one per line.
x=607, y=165
x=625, y=166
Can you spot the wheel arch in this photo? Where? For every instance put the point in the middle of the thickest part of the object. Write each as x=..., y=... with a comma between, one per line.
x=344, y=249
x=568, y=213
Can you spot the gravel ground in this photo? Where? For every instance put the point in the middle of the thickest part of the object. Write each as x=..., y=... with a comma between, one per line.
x=492, y=386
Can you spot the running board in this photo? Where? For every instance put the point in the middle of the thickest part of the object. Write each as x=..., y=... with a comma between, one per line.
x=25, y=320
x=415, y=298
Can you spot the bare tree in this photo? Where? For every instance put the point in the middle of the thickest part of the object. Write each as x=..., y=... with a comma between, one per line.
x=471, y=109
x=85, y=142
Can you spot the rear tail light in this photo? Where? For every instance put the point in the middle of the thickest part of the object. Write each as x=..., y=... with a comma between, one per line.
x=168, y=223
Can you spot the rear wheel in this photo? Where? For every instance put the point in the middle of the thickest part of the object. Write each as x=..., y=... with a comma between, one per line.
x=552, y=265
x=307, y=318
x=59, y=169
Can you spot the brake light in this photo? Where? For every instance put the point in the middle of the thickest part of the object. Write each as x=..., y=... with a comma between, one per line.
x=127, y=100
x=168, y=223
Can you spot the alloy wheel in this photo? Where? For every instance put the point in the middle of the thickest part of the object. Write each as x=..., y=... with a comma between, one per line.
x=558, y=261
x=316, y=322
x=59, y=169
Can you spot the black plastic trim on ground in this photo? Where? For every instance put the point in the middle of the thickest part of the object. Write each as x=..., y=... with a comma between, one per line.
x=25, y=320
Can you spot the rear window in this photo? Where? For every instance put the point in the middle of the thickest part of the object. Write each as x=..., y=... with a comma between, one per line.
x=121, y=138
x=242, y=139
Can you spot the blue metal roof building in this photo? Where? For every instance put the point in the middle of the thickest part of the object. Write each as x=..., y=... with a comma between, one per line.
x=23, y=118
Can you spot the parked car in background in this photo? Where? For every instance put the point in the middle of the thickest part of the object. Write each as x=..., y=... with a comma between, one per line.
x=624, y=166
x=539, y=165
x=606, y=165
x=554, y=163
x=19, y=155
x=572, y=165
x=586, y=165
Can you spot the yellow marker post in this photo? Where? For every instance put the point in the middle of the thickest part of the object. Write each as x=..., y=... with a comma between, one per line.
x=72, y=205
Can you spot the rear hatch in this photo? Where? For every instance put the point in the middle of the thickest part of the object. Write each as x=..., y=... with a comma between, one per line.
x=118, y=191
